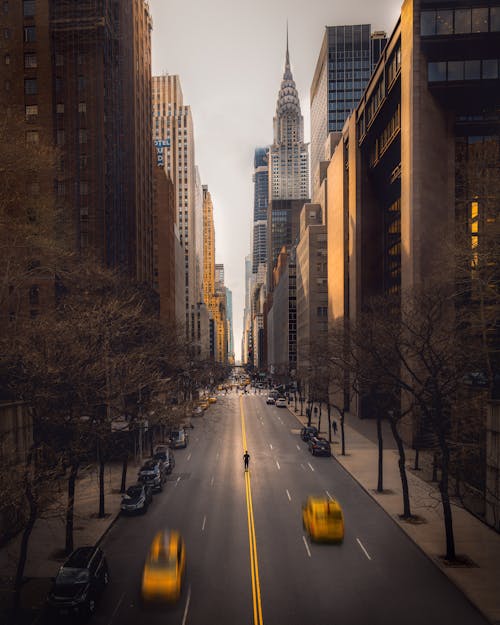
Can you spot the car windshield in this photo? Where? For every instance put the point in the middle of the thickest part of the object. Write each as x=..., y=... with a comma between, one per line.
x=134, y=491
x=68, y=576
x=162, y=560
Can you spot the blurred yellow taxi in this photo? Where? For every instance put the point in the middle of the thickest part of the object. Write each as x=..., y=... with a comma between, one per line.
x=323, y=520
x=203, y=404
x=212, y=400
x=164, y=568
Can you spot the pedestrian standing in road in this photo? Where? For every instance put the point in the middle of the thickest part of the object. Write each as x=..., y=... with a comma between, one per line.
x=334, y=427
x=246, y=458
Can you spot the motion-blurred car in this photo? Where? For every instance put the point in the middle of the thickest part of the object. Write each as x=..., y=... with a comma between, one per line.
x=197, y=411
x=164, y=567
x=203, y=404
x=323, y=520
x=280, y=402
x=307, y=431
x=178, y=438
x=212, y=400
x=152, y=473
x=79, y=584
x=319, y=446
x=270, y=400
x=137, y=499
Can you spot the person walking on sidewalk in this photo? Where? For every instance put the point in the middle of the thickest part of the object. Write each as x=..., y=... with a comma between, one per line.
x=246, y=458
x=334, y=423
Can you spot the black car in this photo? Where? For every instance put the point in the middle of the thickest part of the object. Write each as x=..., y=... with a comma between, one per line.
x=319, y=446
x=165, y=455
x=79, y=583
x=307, y=431
x=152, y=473
x=137, y=498
x=178, y=438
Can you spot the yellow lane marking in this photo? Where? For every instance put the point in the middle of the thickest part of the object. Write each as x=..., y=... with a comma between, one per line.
x=254, y=563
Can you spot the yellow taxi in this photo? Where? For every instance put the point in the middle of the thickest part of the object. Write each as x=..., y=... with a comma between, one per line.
x=203, y=404
x=323, y=520
x=212, y=400
x=164, y=568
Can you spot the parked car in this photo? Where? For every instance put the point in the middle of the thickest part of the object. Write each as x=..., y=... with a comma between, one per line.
x=178, y=438
x=307, y=431
x=164, y=454
x=280, y=402
x=270, y=400
x=197, y=411
x=137, y=498
x=322, y=519
x=319, y=446
x=153, y=474
x=79, y=583
x=274, y=394
x=164, y=568
x=212, y=400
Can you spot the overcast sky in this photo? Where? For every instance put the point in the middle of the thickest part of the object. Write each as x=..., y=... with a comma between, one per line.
x=230, y=57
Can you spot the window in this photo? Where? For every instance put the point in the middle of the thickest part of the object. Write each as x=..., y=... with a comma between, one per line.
x=5, y=7
x=455, y=70
x=60, y=137
x=30, y=86
x=81, y=83
x=29, y=8
x=82, y=136
x=82, y=107
x=490, y=69
x=437, y=71
x=29, y=34
x=444, y=22
x=6, y=33
x=472, y=70
x=30, y=60
x=7, y=59
x=32, y=136
x=61, y=188
x=84, y=188
x=495, y=19
x=60, y=108
x=462, y=21
x=31, y=110
x=7, y=85
x=480, y=20
x=59, y=60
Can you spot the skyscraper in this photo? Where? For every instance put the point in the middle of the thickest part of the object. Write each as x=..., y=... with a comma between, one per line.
x=288, y=155
x=261, y=197
x=346, y=60
x=173, y=124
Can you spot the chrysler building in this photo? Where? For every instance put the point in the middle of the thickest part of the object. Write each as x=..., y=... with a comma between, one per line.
x=289, y=158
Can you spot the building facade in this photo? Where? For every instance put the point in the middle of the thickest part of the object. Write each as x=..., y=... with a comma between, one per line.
x=346, y=60
x=261, y=197
x=173, y=125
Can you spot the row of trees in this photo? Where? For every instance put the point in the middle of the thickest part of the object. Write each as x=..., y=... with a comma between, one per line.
x=425, y=363
x=80, y=345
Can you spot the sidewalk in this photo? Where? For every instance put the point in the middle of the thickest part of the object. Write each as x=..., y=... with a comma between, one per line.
x=45, y=550
x=480, y=581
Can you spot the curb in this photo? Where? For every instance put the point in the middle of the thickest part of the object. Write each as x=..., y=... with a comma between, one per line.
x=428, y=556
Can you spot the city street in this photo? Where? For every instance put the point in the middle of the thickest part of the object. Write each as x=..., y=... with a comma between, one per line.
x=376, y=576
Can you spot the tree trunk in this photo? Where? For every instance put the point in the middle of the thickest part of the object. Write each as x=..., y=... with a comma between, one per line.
x=123, y=485
x=416, y=466
x=380, y=480
x=70, y=507
x=445, y=500
x=23, y=551
x=101, y=489
x=319, y=418
x=402, y=470
x=329, y=413
x=342, y=433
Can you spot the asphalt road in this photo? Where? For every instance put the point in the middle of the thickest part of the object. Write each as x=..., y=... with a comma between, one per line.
x=248, y=560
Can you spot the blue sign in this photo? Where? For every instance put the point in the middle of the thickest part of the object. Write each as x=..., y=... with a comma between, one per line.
x=159, y=145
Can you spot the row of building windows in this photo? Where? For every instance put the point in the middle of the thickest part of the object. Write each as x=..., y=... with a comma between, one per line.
x=460, y=21
x=386, y=137
x=449, y=71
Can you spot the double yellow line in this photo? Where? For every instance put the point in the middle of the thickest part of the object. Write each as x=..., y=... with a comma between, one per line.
x=254, y=563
